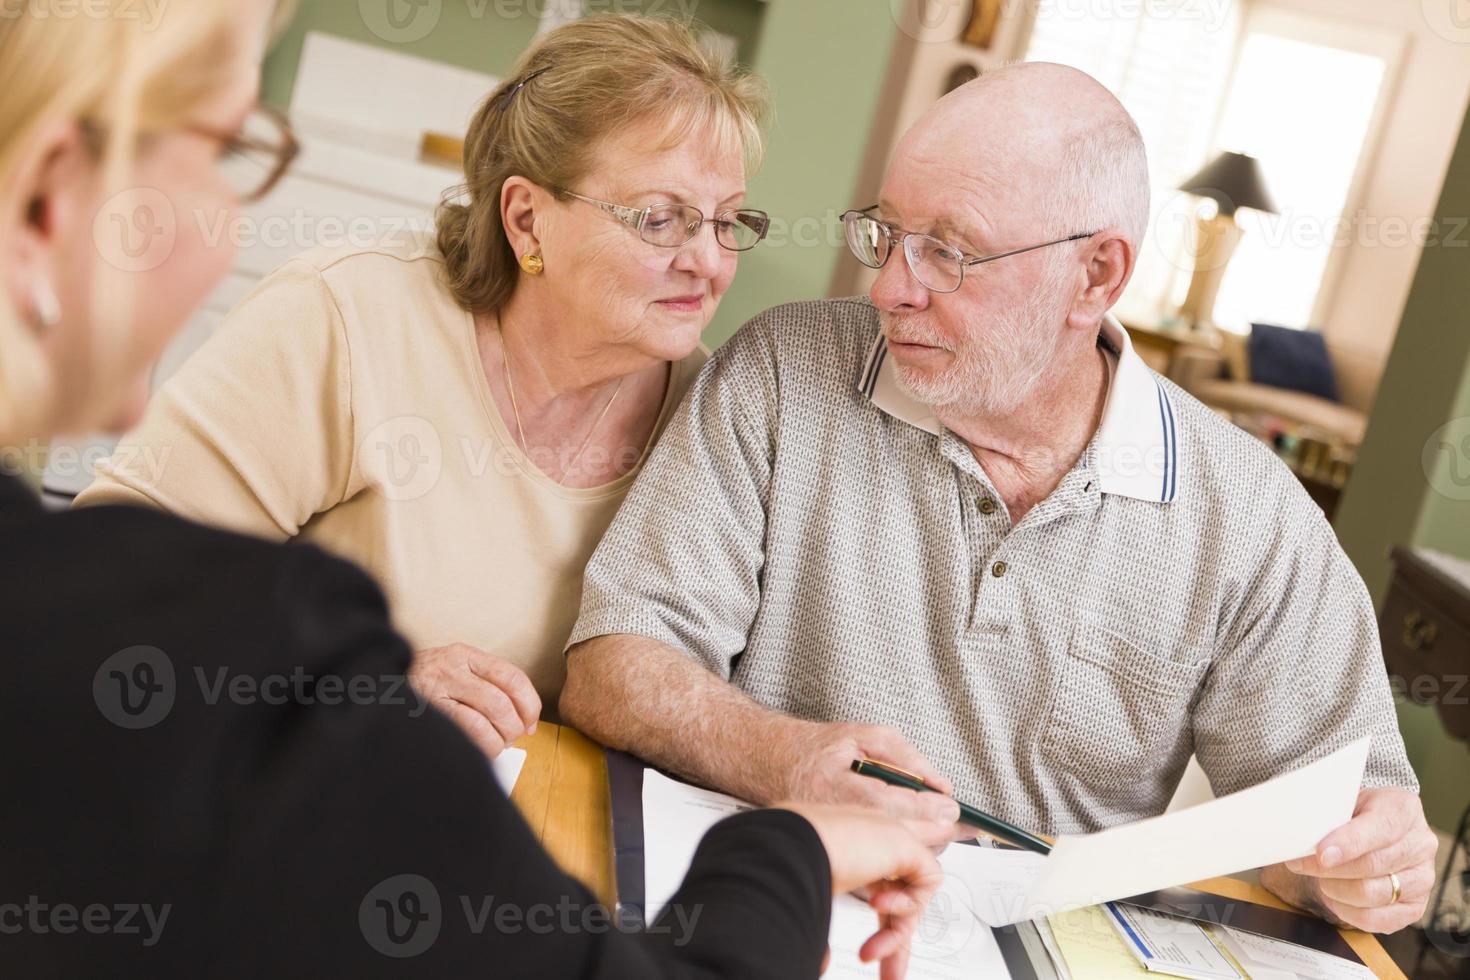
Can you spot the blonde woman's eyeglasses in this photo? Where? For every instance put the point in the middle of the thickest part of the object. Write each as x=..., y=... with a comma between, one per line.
x=254, y=158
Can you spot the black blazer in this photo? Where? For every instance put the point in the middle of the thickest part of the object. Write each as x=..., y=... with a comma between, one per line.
x=210, y=766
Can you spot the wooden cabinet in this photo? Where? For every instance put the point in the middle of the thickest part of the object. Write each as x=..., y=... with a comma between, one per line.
x=1425, y=625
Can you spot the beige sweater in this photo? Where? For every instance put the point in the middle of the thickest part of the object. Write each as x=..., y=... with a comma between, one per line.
x=344, y=402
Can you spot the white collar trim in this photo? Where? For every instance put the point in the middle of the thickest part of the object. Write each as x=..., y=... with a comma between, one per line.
x=1136, y=446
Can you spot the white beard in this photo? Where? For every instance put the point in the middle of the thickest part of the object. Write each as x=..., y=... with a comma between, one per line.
x=989, y=377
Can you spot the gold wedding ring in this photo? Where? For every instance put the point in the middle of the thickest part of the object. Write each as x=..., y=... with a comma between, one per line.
x=1397, y=888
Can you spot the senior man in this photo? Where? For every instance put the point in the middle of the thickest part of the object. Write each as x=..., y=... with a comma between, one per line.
x=962, y=528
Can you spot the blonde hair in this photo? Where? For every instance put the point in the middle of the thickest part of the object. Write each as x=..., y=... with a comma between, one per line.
x=109, y=67
x=572, y=88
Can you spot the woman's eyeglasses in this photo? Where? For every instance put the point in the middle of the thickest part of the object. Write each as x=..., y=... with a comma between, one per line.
x=673, y=225
x=258, y=156
x=254, y=159
x=936, y=264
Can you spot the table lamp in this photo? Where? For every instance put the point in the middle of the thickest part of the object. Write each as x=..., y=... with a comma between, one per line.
x=1232, y=180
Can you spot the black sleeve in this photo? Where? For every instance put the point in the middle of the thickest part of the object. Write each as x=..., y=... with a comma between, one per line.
x=762, y=873
x=372, y=840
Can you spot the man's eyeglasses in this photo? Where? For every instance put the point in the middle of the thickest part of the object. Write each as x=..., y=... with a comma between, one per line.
x=936, y=264
x=673, y=225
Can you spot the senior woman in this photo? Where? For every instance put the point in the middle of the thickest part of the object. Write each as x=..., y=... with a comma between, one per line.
x=234, y=836
x=463, y=416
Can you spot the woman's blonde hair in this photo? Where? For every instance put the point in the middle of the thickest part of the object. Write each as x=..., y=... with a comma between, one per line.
x=572, y=88
x=107, y=65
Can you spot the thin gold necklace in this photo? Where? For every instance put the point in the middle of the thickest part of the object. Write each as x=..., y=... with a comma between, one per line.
x=520, y=430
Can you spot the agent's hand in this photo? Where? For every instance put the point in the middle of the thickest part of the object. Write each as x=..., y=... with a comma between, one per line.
x=1351, y=876
x=490, y=698
x=815, y=766
x=889, y=861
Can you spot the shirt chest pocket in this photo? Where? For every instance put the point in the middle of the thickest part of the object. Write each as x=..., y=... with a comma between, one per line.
x=1120, y=715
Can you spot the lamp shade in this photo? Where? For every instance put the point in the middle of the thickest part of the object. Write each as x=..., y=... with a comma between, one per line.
x=1232, y=180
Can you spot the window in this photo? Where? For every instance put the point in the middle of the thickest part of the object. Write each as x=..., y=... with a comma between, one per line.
x=1303, y=102
x=1167, y=62
x=1302, y=94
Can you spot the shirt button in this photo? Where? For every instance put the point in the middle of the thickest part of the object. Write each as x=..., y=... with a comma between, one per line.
x=998, y=569
x=987, y=506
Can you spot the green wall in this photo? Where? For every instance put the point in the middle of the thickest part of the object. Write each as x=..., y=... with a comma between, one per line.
x=487, y=43
x=825, y=62
x=1405, y=488
x=811, y=53
x=482, y=35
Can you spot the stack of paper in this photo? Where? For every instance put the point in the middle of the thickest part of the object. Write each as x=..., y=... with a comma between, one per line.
x=1123, y=942
x=1264, y=958
x=1171, y=944
x=988, y=887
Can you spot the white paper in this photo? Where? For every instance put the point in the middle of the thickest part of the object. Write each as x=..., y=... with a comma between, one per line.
x=951, y=941
x=1058, y=961
x=1279, y=819
x=998, y=881
x=675, y=818
x=507, y=768
x=1170, y=944
x=1265, y=958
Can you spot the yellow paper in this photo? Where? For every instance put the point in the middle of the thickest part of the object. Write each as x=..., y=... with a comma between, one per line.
x=1092, y=947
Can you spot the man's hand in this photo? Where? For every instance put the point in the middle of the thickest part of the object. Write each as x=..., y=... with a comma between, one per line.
x=817, y=768
x=1350, y=876
x=490, y=698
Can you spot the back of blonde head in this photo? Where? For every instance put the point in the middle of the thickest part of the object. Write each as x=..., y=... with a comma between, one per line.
x=602, y=75
x=107, y=65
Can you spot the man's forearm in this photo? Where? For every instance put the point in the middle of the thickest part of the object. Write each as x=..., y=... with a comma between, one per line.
x=639, y=695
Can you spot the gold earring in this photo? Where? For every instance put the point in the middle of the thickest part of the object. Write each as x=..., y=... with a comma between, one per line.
x=533, y=264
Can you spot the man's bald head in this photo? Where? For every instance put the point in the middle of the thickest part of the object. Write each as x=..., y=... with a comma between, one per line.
x=1043, y=141
x=1035, y=159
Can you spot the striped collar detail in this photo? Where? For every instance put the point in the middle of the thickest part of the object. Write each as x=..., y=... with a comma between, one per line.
x=1136, y=448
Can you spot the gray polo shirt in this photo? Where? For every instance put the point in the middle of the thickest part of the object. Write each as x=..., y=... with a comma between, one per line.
x=807, y=531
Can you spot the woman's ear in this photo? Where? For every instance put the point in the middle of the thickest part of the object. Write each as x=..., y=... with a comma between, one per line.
x=42, y=207
x=519, y=199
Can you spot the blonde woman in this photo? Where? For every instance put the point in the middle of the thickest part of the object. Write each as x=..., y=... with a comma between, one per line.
x=462, y=415
x=210, y=769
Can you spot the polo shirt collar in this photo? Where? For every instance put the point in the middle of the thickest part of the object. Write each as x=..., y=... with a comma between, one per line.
x=1136, y=448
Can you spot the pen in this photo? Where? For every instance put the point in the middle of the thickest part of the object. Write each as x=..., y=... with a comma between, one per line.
x=994, y=826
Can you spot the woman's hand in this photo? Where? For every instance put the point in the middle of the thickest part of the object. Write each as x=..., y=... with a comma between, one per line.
x=890, y=862
x=490, y=698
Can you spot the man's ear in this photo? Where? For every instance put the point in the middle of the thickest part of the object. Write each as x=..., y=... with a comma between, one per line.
x=1107, y=266
x=43, y=203
x=519, y=199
